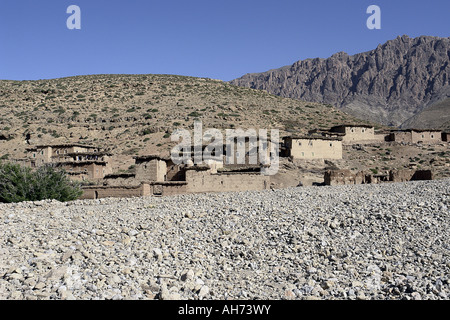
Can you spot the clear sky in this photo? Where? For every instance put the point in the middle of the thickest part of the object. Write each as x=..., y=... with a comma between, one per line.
x=219, y=39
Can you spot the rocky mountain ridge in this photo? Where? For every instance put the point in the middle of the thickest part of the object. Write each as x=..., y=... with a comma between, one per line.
x=390, y=84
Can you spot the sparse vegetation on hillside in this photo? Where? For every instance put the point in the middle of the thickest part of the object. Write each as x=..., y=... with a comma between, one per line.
x=112, y=110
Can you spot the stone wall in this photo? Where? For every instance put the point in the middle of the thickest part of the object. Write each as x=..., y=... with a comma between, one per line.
x=144, y=189
x=355, y=134
x=152, y=170
x=84, y=171
x=343, y=177
x=381, y=137
x=410, y=175
x=428, y=137
x=310, y=149
x=96, y=192
x=339, y=177
x=401, y=137
x=121, y=180
x=167, y=188
x=205, y=181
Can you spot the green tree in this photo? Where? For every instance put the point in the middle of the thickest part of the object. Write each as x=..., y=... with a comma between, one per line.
x=19, y=183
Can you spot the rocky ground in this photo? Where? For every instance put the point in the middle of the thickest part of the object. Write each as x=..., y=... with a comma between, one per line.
x=388, y=241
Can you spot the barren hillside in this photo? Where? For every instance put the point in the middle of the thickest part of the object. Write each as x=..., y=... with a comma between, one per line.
x=134, y=114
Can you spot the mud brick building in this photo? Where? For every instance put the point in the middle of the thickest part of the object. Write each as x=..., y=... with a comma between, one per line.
x=313, y=147
x=427, y=136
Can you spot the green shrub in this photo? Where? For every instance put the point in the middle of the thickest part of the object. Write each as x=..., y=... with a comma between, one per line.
x=22, y=184
x=194, y=114
x=146, y=131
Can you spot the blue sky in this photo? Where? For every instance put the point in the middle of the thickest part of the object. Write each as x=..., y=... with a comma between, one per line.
x=219, y=39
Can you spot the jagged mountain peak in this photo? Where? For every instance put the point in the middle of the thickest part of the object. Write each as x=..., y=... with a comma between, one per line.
x=389, y=84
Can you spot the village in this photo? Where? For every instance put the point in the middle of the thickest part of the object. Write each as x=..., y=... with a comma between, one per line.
x=157, y=175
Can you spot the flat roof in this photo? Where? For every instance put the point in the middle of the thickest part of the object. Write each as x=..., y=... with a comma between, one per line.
x=110, y=187
x=352, y=125
x=198, y=168
x=243, y=168
x=119, y=175
x=306, y=137
x=71, y=154
x=165, y=183
x=416, y=130
x=79, y=163
x=151, y=157
x=326, y=131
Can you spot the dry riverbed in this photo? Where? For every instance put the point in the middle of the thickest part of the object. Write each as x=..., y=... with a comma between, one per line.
x=387, y=241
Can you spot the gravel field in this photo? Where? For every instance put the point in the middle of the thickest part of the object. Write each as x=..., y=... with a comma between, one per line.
x=387, y=241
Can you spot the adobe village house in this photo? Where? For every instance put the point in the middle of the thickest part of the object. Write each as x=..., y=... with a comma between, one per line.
x=79, y=161
x=313, y=147
x=418, y=136
x=160, y=176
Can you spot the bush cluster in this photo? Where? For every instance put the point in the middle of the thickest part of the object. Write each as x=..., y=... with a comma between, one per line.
x=18, y=183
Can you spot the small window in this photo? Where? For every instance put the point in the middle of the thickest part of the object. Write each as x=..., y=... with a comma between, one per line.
x=303, y=154
x=331, y=144
x=310, y=143
x=299, y=144
x=313, y=154
x=432, y=136
x=423, y=136
x=363, y=130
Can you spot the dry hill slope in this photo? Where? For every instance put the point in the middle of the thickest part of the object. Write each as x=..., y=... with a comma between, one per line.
x=435, y=116
x=134, y=114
